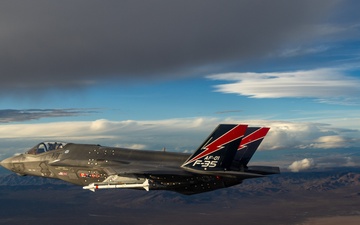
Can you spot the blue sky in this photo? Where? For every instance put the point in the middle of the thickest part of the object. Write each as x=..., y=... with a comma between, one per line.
x=163, y=74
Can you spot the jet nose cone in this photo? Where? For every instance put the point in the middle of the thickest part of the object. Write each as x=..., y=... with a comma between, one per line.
x=6, y=163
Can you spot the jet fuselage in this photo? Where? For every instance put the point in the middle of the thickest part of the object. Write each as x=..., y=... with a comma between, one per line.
x=221, y=161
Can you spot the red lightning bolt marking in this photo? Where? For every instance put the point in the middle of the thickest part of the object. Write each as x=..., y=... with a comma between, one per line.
x=254, y=136
x=235, y=133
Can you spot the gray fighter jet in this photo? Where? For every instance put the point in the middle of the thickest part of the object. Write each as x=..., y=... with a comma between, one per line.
x=221, y=161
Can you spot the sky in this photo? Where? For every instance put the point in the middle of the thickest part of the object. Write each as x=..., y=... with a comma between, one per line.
x=154, y=74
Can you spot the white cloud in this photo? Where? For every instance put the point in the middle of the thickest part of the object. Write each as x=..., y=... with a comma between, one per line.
x=331, y=141
x=301, y=135
x=319, y=160
x=102, y=128
x=304, y=164
x=319, y=83
x=180, y=134
x=186, y=134
x=173, y=134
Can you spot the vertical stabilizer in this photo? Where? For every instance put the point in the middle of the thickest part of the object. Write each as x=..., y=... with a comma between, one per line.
x=249, y=144
x=218, y=150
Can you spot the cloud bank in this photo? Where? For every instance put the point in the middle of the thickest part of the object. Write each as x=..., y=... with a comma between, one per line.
x=64, y=44
x=304, y=135
x=183, y=134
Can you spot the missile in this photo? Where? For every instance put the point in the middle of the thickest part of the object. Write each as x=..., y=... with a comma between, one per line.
x=93, y=186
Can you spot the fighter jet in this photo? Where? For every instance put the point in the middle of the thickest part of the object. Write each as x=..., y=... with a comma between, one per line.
x=220, y=161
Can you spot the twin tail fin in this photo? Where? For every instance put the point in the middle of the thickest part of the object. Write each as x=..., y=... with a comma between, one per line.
x=218, y=150
x=228, y=148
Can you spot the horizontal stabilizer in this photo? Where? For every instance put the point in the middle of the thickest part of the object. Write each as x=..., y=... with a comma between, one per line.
x=265, y=170
x=238, y=174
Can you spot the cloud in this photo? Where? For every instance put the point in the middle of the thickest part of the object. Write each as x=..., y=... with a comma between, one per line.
x=60, y=45
x=302, y=165
x=322, y=161
x=309, y=140
x=15, y=115
x=303, y=135
x=179, y=134
x=153, y=134
x=300, y=51
x=319, y=83
x=337, y=160
x=331, y=141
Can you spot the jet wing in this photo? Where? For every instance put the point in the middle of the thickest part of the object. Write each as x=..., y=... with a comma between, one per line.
x=146, y=170
x=237, y=174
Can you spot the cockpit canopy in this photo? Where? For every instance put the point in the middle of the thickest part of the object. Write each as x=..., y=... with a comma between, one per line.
x=45, y=147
